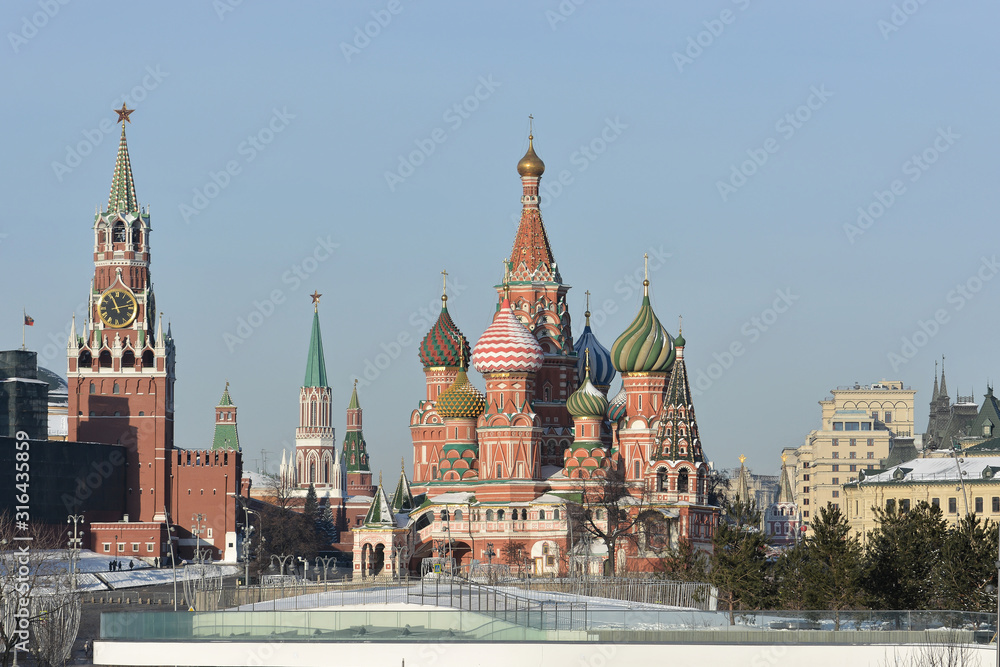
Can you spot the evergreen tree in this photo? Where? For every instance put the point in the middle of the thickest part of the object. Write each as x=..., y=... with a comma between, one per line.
x=740, y=569
x=832, y=566
x=685, y=563
x=310, y=510
x=902, y=554
x=968, y=565
x=790, y=577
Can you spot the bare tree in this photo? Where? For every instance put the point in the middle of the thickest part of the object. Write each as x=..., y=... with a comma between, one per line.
x=55, y=624
x=612, y=511
x=31, y=573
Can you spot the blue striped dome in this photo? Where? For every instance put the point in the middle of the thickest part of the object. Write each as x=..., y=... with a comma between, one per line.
x=601, y=370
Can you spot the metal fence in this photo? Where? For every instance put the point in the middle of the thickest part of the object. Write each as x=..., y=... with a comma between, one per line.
x=692, y=595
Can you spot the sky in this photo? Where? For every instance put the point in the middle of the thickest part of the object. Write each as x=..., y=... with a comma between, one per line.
x=814, y=184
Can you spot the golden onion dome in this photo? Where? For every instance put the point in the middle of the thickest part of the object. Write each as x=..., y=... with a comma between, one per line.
x=531, y=164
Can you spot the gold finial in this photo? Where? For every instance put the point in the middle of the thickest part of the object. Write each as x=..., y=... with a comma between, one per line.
x=380, y=478
x=742, y=459
x=355, y=384
x=402, y=464
x=444, y=288
x=531, y=127
x=645, y=273
x=587, y=312
x=315, y=297
x=586, y=363
x=506, y=278
x=784, y=457
x=461, y=352
x=227, y=385
x=123, y=114
x=680, y=324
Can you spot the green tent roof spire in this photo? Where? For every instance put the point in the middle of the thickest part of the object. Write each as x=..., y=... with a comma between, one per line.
x=122, y=197
x=354, y=404
x=315, y=362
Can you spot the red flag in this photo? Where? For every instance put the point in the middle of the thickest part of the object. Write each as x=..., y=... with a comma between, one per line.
x=28, y=320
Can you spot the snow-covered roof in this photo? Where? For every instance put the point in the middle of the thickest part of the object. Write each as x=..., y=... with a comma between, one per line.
x=938, y=469
x=462, y=497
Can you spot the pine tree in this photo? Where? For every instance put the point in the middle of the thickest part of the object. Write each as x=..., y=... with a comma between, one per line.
x=740, y=569
x=310, y=510
x=902, y=554
x=968, y=565
x=832, y=566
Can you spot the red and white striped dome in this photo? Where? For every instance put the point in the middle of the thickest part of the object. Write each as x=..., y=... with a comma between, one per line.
x=507, y=346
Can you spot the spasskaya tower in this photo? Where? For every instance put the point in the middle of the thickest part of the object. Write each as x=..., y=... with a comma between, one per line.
x=121, y=366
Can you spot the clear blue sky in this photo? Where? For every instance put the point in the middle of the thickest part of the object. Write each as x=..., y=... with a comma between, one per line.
x=645, y=109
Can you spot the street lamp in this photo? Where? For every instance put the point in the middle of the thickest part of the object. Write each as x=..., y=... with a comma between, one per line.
x=247, y=539
x=173, y=563
x=74, y=546
x=196, y=531
x=325, y=560
x=490, y=553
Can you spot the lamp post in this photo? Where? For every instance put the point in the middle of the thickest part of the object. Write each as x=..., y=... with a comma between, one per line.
x=997, y=635
x=490, y=553
x=325, y=560
x=196, y=531
x=247, y=540
x=173, y=563
x=74, y=546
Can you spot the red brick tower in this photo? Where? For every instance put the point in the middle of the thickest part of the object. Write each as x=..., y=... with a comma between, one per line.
x=538, y=297
x=121, y=370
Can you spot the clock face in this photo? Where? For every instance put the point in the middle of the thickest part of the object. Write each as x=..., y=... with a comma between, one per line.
x=117, y=308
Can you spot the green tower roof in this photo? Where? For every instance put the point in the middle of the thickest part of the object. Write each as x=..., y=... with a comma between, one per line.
x=226, y=436
x=122, y=197
x=354, y=404
x=315, y=362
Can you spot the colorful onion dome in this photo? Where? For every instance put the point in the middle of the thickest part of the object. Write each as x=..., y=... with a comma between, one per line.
x=461, y=400
x=444, y=344
x=645, y=346
x=588, y=400
x=616, y=407
x=602, y=372
x=506, y=346
x=531, y=164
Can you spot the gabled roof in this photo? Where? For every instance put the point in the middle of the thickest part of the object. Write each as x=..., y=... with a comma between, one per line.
x=989, y=416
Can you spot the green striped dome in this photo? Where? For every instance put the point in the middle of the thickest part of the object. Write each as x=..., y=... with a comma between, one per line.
x=587, y=401
x=461, y=400
x=645, y=346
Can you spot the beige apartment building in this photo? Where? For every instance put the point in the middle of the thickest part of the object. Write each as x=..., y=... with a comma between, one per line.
x=861, y=425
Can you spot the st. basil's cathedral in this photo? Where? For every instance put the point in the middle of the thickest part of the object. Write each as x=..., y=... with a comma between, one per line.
x=513, y=466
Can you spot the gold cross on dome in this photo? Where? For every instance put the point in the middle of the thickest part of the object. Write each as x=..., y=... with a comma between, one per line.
x=123, y=114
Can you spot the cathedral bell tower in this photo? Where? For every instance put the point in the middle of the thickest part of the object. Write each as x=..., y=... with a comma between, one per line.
x=121, y=367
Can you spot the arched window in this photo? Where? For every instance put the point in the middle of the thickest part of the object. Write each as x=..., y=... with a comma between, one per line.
x=555, y=515
x=128, y=359
x=105, y=359
x=662, y=484
x=541, y=515
x=93, y=388
x=501, y=515
x=682, y=481
x=312, y=413
x=524, y=515
x=147, y=359
x=119, y=233
x=444, y=515
x=458, y=515
x=115, y=389
x=85, y=360
x=312, y=473
x=489, y=515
